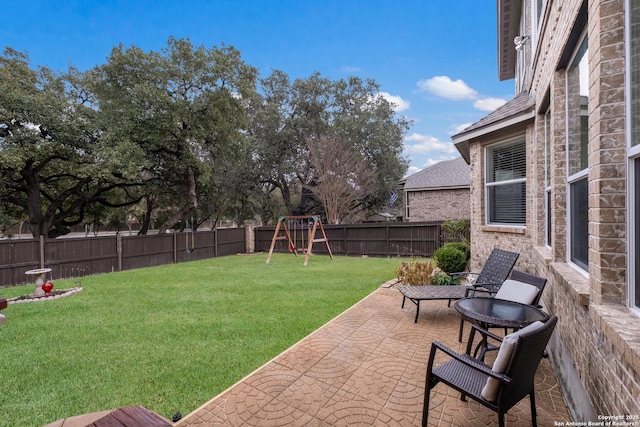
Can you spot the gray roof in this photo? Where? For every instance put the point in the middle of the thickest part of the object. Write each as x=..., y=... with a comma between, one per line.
x=446, y=174
x=517, y=112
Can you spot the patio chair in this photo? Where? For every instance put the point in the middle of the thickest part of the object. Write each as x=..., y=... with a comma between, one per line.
x=521, y=287
x=495, y=271
x=498, y=387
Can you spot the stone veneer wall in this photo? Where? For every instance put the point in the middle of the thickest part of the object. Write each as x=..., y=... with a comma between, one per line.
x=438, y=205
x=596, y=346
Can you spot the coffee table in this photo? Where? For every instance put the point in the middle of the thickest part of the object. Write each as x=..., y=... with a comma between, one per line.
x=497, y=313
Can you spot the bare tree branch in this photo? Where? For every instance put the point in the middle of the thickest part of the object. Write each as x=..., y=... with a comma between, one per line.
x=343, y=177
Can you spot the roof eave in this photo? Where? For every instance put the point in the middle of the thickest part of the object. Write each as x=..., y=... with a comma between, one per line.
x=508, y=27
x=462, y=140
x=453, y=187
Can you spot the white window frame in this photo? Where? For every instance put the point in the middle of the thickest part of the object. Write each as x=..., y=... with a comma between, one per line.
x=573, y=178
x=489, y=184
x=406, y=204
x=537, y=18
x=632, y=223
x=633, y=156
x=548, y=235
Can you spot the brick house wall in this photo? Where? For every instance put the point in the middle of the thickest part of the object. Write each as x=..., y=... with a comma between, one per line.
x=596, y=346
x=438, y=205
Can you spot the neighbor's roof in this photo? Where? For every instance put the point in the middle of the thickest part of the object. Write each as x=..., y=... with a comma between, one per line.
x=447, y=174
x=517, y=112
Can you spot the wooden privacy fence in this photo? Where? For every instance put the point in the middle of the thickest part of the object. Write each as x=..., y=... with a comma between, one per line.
x=372, y=239
x=82, y=256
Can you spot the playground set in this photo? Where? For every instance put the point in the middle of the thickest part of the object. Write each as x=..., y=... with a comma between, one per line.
x=290, y=227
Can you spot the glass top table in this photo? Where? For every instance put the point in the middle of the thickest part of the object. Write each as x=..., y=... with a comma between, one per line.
x=499, y=313
x=494, y=312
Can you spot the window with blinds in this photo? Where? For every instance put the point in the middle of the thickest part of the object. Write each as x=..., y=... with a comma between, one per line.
x=505, y=183
x=577, y=100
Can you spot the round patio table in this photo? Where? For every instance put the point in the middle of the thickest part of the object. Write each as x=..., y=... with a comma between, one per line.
x=497, y=313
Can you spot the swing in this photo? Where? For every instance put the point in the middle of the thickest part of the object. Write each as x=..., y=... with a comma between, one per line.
x=189, y=248
x=284, y=225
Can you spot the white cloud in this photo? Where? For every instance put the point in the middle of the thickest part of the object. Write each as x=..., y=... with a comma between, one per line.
x=444, y=87
x=424, y=150
x=411, y=170
x=424, y=144
x=397, y=102
x=489, y=104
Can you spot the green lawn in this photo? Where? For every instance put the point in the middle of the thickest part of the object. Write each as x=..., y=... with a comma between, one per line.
x=168, y=338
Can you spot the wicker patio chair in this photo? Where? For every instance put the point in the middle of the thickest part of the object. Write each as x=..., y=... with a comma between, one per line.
x=495, y=271
x=498, y=387
x=511, y=289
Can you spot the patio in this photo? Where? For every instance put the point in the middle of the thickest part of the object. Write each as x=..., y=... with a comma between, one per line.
x=367, y=367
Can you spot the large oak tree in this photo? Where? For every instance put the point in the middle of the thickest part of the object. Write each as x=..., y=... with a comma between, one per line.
x=54, y=159
x=183, y=108
x=348, y=112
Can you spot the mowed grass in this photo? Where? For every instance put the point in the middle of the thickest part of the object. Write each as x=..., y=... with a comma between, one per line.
x=168, y=338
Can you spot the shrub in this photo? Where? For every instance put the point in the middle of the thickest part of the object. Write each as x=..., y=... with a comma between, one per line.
x=440, y=279
x=415, y=272
x=457, y=229
x=450, y=259
x=462, y=247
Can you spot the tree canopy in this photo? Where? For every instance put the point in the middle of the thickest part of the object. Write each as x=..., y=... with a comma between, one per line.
x=182, y=108
x=348, y=112
x=54, y=160
x=188, y=133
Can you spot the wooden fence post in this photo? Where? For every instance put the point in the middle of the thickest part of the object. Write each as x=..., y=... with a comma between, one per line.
x=175, y=246
x=388, y=242
x=119, y=250
x=215, y=242
x=42, y=251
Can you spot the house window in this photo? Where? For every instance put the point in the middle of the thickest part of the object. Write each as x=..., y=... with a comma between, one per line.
x=505, y=183
x=636, y=235
x=538, y=7
x=634, y=72
x=634, y=150
x=577, y=160
x=547, y=176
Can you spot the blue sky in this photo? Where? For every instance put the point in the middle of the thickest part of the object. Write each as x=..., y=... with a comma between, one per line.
x=435, y=59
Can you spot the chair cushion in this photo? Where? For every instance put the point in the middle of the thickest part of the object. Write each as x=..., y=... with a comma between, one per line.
x=513, y=290
x=500, y=365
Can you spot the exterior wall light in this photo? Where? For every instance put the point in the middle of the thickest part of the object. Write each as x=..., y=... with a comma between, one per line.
x=519, y=41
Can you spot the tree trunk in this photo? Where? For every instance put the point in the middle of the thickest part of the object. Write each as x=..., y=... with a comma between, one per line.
x=192, y=203
x=146, y=220
x=286, y=196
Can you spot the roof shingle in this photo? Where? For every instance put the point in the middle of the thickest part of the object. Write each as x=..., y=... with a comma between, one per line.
x=450, y=173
